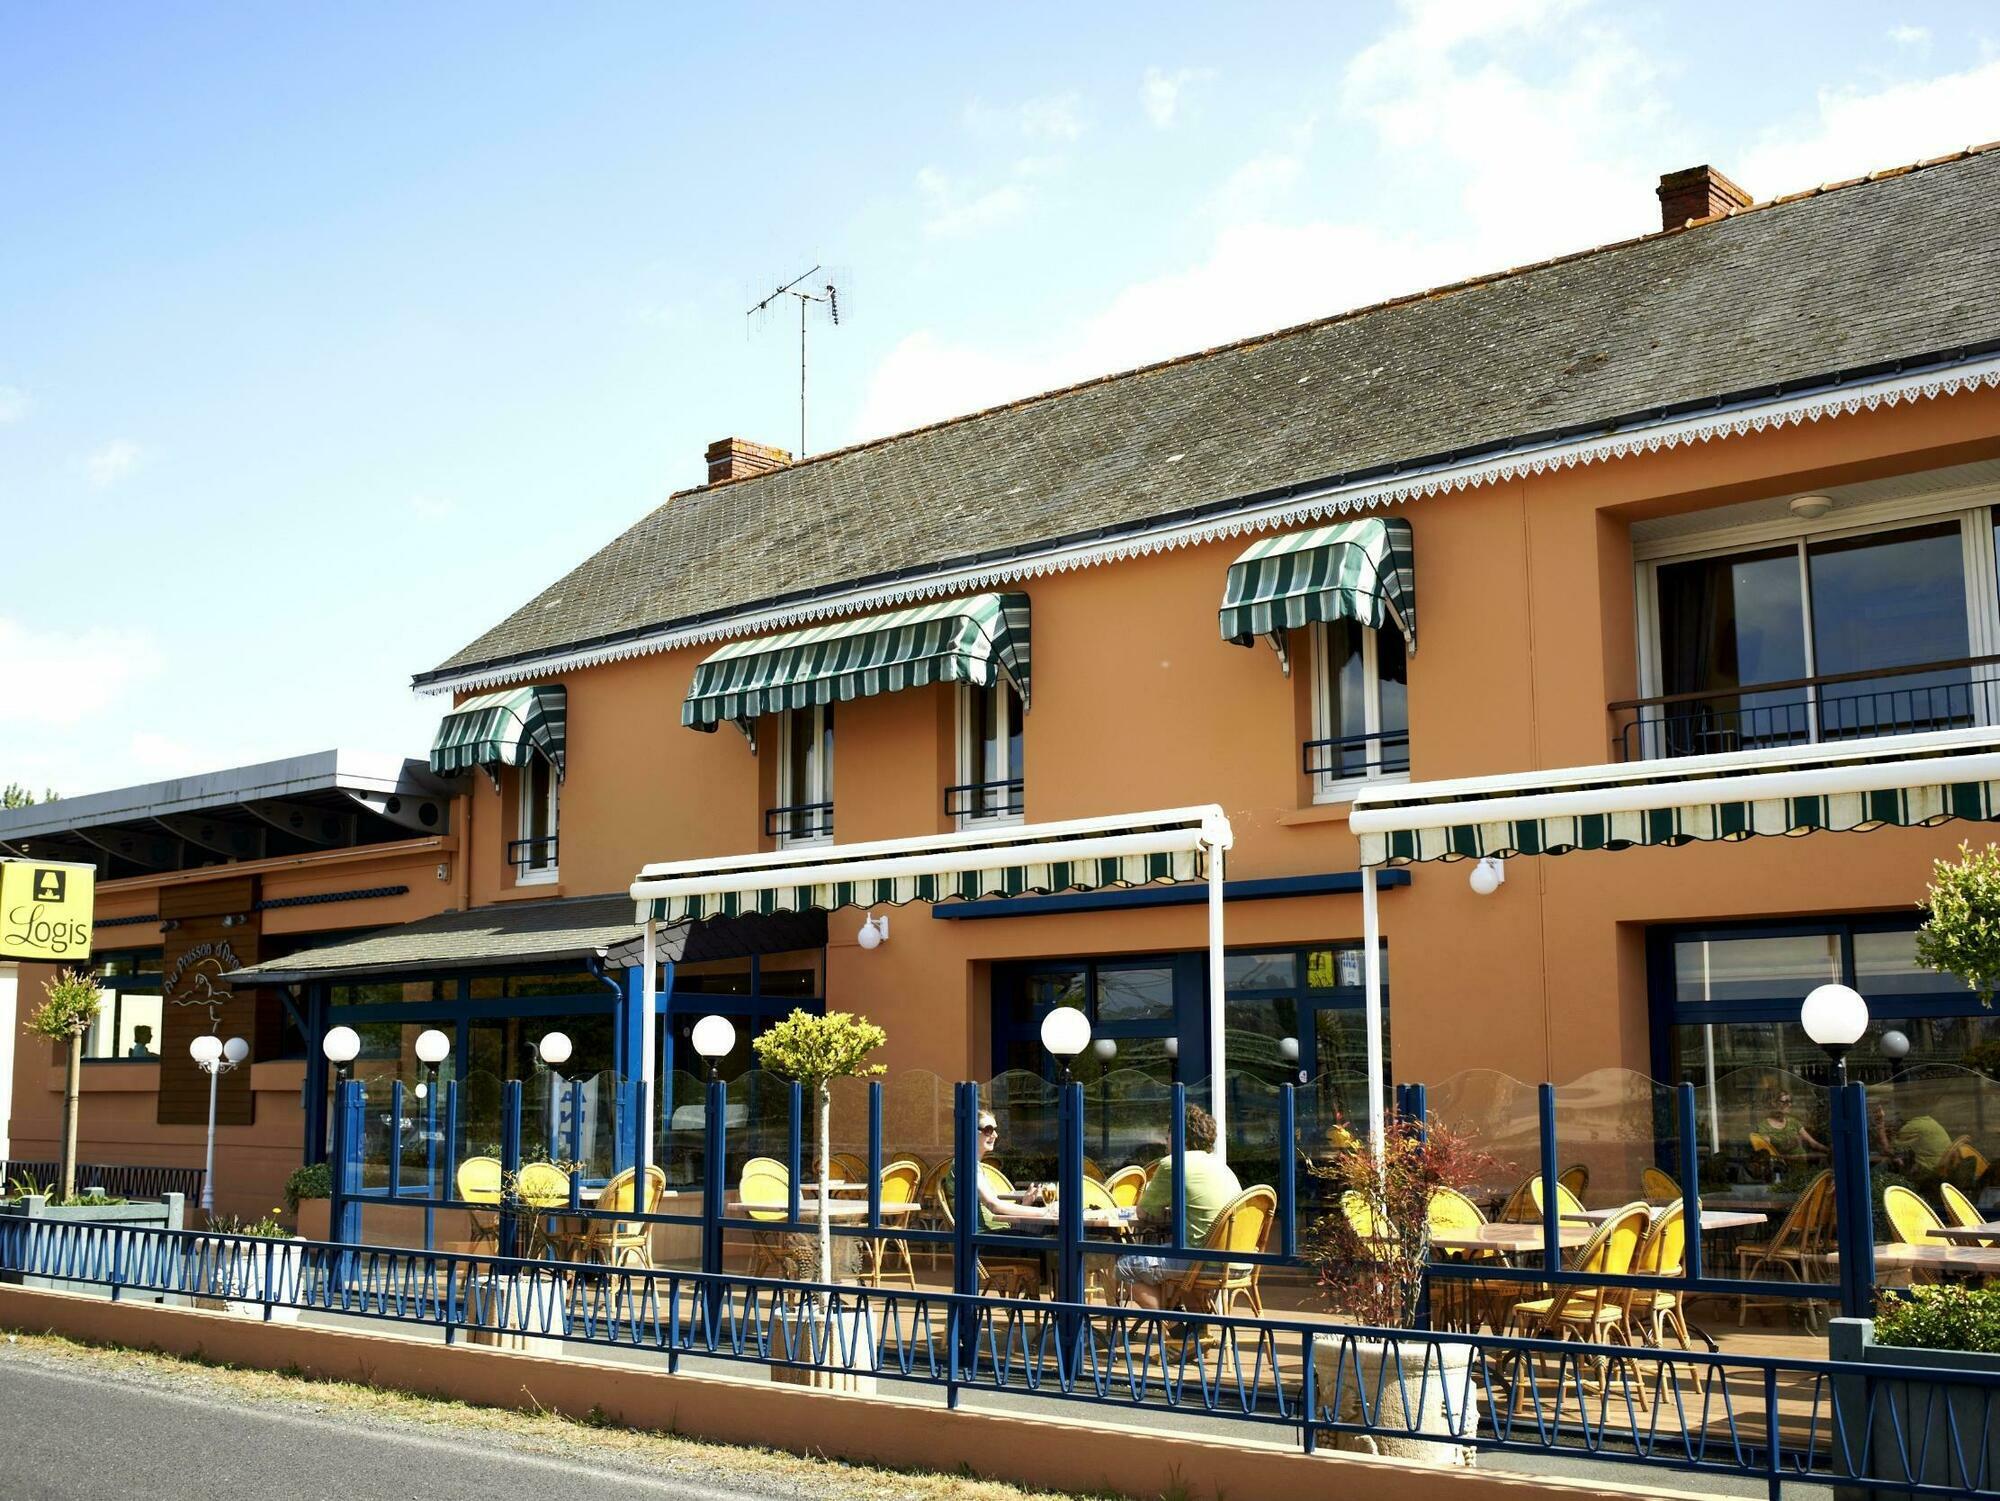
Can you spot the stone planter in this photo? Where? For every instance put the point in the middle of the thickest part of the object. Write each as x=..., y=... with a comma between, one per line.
x=168, y=1213
x=842, y=1345
x=240, y=1275
x=1933, y=1426
x=1433, y=1374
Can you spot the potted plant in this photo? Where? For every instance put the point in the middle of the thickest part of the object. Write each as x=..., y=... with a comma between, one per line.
x=1370, y=1257
x=1924, y=1426
x=1961, y=931
x=307, y=1192
x=69, y=1007
x=241, y=1277
x=814, y=1051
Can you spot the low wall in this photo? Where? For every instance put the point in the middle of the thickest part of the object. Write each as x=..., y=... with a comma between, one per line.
x=1028, y=1449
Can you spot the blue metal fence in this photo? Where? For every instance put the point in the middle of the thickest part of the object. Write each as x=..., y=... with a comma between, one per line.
x=1729, y=1416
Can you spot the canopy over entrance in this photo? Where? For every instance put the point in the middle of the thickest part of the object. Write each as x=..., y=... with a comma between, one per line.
x=1181, y=844
x=1881, y=782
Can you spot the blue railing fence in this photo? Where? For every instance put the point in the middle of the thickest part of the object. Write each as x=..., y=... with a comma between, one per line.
x=1616, y=1136
x=1723, y=1416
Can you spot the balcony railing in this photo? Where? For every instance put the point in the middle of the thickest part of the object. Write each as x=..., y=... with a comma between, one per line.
x=529, y=856
x=1808, y=711
x=1351, y=757
x=799, y=821
x=1003, y=798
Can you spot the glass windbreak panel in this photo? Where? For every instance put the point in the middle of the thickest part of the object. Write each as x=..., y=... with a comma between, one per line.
x=1344, y=686
x=1024, y=1107
x=1612, y=1125
x=1775, y=969
x=138, y=1026
x=1275, y=971
x=1135, y=995
x=1761, y=1139
x=1728, y=623
x=478, y=1116
x=680, y=1130
x=917, y=1117
x=760, y=1122
x=1891, y=600
x=1929, y=1128
x=1699, y=1053
x=1261, y=1040
x=1340, y=1050
x=1502, y=1115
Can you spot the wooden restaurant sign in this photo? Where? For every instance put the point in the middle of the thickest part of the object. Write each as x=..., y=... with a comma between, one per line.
x=45, y=910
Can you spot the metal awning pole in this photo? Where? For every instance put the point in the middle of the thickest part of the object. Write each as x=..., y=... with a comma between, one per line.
x=1217, y=1060
x=1371, y=979
x=649, y=1050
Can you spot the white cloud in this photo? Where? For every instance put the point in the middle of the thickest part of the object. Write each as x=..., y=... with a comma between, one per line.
x=950, y=210
x=13, y=404
x=1910, y=36
x=62, y=678
x=1160, y=93
x=1052, y=118
x=113, y=462
x=1852, y=132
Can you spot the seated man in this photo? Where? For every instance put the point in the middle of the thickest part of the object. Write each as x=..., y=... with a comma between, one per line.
x=1210, y=1188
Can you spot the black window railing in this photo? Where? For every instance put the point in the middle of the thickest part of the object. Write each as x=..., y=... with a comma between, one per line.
x=799, y=821
x=1002, y=798
x=1911, y=700
x=528, y=856
x=1351, y=757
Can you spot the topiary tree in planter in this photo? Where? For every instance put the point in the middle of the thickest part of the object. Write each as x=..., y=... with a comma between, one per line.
x=63, y=1017
x=816, y=1050
x=1961, y=931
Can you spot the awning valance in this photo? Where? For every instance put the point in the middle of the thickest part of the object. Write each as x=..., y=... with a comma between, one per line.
x=1082, y=855
x=502, y=728
x=1879, y=782
x=976, y=640
x=1361, y=570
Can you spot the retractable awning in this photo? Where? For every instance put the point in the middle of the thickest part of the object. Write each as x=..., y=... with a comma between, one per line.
x=976, y=640
x=1032, y=859
x=503, y=728
x=1894, y=781
x=1362, y=570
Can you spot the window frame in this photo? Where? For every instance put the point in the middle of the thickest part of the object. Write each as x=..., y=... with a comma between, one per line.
x=818, y=779
x=1973, y=510
x=523, y=813
x=139, y=983
x=1007, y=698
x=1332, y=787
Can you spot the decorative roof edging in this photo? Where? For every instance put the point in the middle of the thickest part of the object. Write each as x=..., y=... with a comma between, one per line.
x=1637, y=441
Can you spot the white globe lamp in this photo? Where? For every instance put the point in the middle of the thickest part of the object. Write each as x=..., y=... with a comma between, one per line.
x=205, y=1049
x=714, y=1039
x=433, y=1046
x=342, y=1045
x=1487, y=876
x=1834, y=1017
x=236, y=1050
x=1065, y=1033
x=554, y=1049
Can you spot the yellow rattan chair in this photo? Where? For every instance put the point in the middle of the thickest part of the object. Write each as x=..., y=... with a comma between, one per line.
x=900, y=1182
x=1961, y=1209
x=1910, y=1218
x=616, y=1242
x=767, y=1182
x=1798, y=1248
x=1657, y=1187
x=1575, y=1178
x=479, y=1183
x=1652, y=1313
x=1214, y=1286
x=1457, y=1302
x=1596, y=1313
x=1001, y=1276
x=1126, y=1185
x=846, y=1167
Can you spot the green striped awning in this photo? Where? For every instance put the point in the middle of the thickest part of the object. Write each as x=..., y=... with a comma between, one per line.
x=1362, y=570
x=502, y=729
x=1886, y=782
x=975, y=640
x=998, y=880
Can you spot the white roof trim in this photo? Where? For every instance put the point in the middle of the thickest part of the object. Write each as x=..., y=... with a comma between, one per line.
x=1637, y=439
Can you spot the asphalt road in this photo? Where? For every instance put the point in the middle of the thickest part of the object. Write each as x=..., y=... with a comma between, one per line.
x=74, y=1435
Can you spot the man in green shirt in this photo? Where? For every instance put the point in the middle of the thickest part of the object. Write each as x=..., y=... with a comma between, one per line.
x=1211, y=1186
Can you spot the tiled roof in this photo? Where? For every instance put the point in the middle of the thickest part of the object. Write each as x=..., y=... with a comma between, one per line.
x=1895, y=268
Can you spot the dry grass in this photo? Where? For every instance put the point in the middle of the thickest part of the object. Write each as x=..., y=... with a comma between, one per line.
x=593, y=1439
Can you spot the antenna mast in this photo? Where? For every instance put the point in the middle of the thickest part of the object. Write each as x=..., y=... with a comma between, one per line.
x=828, y=296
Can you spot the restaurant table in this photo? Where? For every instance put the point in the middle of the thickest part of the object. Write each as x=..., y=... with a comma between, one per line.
x=1506, y=1237
x=1978, y=1260
x=1969, y=1235
x=837, y=1209
x=1712, y=1220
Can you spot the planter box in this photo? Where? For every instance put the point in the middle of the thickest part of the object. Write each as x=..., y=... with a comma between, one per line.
x=168, y=1213
x=1934, y=1426
x=1432, y=1374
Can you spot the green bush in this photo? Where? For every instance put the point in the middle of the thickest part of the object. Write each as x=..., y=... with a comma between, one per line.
x=1961, y=931
x=313, y=1181
x=1950, y=1316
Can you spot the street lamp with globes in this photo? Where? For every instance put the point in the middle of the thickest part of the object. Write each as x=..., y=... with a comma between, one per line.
x=714, y=1039
x=215, y=1058
x=1065, y=1033
x=1834, y=1017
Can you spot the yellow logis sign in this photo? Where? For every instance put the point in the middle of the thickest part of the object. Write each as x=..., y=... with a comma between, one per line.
x=45, y=910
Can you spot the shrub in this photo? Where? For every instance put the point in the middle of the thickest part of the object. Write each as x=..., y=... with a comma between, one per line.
x=267, y=1226
x=313, y=1181
x=1949, y=1316
x=1961, y=931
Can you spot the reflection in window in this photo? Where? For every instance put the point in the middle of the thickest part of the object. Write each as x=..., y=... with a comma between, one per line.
x=1715, y=971
x=129, y=1013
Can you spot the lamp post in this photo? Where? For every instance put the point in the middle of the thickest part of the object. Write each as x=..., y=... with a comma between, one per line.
x=342, y=1045
x=433, y=1047
x=1834, y=1017
x=1065, y=1033
x=714, y=1039
x=554, y=1051
x=215, y=1058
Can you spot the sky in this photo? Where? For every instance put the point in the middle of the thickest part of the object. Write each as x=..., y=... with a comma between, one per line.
x=331, y=334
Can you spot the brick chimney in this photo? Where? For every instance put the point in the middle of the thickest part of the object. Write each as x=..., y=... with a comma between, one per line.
x=1695, y=193
x=739, y=458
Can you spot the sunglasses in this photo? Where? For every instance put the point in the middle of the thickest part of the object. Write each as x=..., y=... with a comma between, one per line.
x=989, y=1127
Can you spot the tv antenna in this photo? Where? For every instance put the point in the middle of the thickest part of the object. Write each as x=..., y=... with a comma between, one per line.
x=826, y=296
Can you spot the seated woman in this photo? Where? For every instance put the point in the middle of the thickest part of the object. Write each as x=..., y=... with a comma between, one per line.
x=1786, y=1133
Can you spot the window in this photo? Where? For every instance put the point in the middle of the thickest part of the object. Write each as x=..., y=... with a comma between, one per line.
x=804, y=814
x=534, y=852
x=1818, y=637
x=990, y=780
x=1361, y=711
x=127, y=1025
